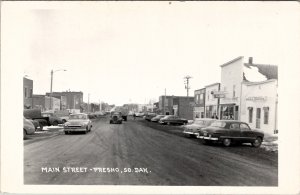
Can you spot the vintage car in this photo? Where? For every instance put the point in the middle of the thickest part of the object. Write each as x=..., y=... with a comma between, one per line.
x=157, y=118
x=53, y=119
x=230, y=131
x=78, y=123
x=172, y=120
x=198, y=124
x=28, y=127
x=149, y=116
x=116, y=118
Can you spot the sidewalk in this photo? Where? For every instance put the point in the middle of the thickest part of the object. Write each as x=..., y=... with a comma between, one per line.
x=270, y=143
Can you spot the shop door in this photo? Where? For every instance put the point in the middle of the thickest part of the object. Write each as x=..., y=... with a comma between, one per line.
x=258, y=112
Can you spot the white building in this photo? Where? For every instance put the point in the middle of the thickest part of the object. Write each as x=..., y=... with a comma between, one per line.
x=211, y=100
x=248, y=93
x=259, y=105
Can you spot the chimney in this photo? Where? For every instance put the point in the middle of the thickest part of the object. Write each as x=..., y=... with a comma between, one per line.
x=250, y=60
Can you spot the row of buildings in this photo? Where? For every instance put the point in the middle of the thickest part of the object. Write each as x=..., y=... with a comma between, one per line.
x=247, y=92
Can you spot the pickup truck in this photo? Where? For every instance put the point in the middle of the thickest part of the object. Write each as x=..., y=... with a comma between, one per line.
x=44, y=119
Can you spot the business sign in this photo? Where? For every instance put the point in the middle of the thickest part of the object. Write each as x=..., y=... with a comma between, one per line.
x=257, y=98
x=219, y=94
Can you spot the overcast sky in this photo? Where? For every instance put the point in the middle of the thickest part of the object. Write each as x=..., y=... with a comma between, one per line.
x=129, y=52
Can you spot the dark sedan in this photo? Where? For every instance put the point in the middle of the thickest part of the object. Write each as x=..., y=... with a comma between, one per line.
x=229, y=131
x=171, y=119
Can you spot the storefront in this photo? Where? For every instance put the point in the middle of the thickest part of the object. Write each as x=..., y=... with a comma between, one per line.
x=259, y=106
x=199, y=112
x=229, y=112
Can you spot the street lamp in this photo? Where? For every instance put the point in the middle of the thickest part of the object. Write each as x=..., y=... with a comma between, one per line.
x=52, y=83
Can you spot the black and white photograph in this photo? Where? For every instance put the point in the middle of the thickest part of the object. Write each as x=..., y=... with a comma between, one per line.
x=150, y=96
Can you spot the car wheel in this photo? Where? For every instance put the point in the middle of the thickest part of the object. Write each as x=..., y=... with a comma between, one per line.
x=226, y=142
x=55, y=123
x=64, y=120
x=257, y=142
x=66, y=132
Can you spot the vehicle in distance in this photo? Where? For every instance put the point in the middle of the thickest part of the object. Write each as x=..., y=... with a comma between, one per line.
x=229, y=131
x=53, y=119
x=78, y=123
x=116, y=118
x=28, y=127
x=198, y=124
x=173, y=120
x=149, y=116
x=139, y=114
x=157, y=118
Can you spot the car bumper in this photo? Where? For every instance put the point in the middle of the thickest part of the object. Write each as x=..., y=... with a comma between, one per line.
x=208, y=138
x=75, y=129
x=191, y=133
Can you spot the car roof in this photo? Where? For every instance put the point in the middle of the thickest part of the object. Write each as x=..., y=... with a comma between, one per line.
x=205, y=119
x=79, y=114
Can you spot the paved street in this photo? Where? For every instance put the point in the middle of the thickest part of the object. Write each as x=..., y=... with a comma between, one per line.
x=135, y=153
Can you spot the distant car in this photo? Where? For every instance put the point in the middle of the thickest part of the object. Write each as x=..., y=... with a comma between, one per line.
x=78, y=123
x=172, y=120
x=149, y=116
x=157, y=118
x=116, y=118
x=28, y=127
x=230, y=131
x=36, y=124
x=139, y=114
x=198, y=124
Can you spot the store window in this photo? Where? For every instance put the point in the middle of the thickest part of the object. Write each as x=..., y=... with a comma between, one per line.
x=250, y=110
x=266, y=115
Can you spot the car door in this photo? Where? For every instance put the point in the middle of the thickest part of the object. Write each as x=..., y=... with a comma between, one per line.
x=247, y=134
x=234, y=131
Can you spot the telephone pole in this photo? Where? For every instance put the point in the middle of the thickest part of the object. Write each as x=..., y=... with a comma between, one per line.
x=187, y=84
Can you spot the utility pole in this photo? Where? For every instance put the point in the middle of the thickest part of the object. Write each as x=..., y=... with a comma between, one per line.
x=186, y=84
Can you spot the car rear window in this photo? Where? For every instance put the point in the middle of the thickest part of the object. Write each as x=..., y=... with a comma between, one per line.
x=218, y=124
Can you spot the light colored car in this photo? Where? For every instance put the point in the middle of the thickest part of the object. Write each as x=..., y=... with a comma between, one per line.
x=193, y=129
x=78, y=123
x=157, y=118
x=28, y=127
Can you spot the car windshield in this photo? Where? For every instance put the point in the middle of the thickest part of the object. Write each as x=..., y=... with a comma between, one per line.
x=200, y=122
x=218, y=124
x=78, y=116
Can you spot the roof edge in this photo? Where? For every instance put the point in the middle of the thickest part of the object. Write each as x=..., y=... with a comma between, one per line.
x=261, y=82
x=231, y=61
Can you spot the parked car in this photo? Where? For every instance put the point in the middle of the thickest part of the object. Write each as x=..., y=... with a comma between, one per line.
x=116, y=118
x=28, y=127
x=230, y=131
x=78, y=122
x=139, y=114
x=192, y=129
x=53, y=119
x=36, y=124
x=171, y=119
x=157, y=118
x=149, y=116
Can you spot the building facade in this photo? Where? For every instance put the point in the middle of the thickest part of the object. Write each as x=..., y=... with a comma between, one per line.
x=212, y=100
x=44, y=102
x=199, y=107
x=259, y=105
x=27, y=93
x=72, y=99
x=181, y=106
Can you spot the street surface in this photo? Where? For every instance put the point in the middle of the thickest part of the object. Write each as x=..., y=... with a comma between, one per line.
x=138, y=152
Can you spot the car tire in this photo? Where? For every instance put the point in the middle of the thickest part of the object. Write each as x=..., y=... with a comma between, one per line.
x=226, y=142
x=64, y=120
x=55, y=123
x=66, y=132
x=257, y=142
